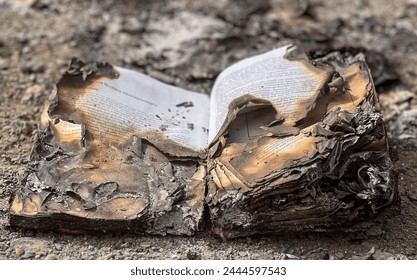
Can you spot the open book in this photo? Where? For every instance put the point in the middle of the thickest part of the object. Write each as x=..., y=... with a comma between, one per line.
x=282, y=144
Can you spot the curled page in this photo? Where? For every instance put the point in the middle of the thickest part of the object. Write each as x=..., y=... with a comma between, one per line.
x=286, y=85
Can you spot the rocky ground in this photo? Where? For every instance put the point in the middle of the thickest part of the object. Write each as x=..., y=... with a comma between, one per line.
x=187, y=43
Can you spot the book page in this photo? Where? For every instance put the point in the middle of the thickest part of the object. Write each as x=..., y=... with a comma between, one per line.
x=136, y=102
x=247, y=125
x=287, y=84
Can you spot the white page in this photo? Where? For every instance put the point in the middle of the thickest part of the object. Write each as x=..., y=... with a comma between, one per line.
x=268, y=76
x=139, y=101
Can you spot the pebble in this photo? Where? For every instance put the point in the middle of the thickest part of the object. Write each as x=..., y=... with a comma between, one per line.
x=243, y=254
x=28, y=248
x=34, y=90
x=19, y=251
x=400, y=257
x=369, y=245
x=193, y=255
x=379, y=255
x=119, y=244
x=96, y=31
x=33, y=67
x=51, y=257
x=145, y=245
x=3, y=64
x=318, y=254
x=289, y=257
x=339, y=256
x=58, y=247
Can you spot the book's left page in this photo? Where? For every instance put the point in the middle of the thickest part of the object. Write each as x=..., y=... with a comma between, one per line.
x=116, y=150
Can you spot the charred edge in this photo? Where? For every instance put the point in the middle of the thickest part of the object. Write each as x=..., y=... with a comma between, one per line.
x=81, y=75
x=295, y=53
x=171, y=149
x=237, y=105
x=316, y=111
x=99, y=69
x=68, y=223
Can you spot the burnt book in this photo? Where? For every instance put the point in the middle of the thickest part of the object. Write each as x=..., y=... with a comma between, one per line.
x=284, y=143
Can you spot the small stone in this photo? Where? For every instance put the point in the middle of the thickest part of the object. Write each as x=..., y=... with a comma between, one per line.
x=369, y=245
x=95, y=31
x=290, y=257
x=25, y=50
x=193, y=255
x=339, y=256
x=3, y=64
x=379, y=255
x=119, y=244
x=19, y=251
x=31, y=93
x=31, y=247
x=51, y=257
x=400, y=257
x=318, y=254
x=33, y=67
x=242, y=254
x=34, y=90
x=41, y=4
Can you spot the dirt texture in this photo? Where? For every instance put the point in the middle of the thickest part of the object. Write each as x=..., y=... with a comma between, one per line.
x=187, y=43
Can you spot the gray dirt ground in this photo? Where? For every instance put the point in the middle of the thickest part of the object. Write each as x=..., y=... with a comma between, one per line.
x=187, y=43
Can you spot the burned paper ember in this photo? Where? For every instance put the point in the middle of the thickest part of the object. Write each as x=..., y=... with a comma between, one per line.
x=310, y=154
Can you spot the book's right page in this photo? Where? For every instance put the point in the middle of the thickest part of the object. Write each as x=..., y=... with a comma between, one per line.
x=286, y=85
x=296, y=145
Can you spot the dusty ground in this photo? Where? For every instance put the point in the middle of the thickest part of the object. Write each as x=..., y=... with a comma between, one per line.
x=187, y=43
